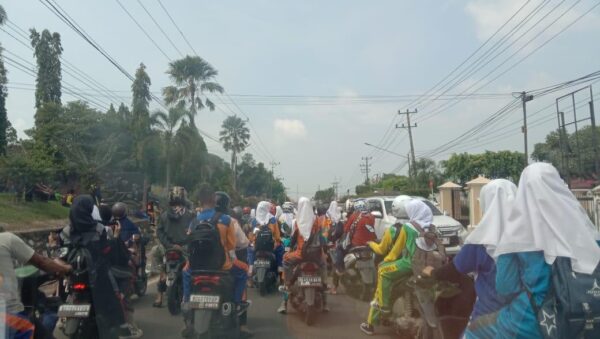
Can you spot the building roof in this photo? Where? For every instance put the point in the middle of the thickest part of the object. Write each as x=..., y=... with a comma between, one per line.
x=450, y=184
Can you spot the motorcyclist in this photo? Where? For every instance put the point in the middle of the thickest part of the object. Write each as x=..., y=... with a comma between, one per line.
x=240, y=265
x=358, y=231
x=286, y=222
x=397, y=264
x=264, y=218
x=209, y=203
x=13, y=250
x=172, y=233
x=389, y=236
x=86, y=231
x=305, y=226
x=336, y=230
x=124, y=231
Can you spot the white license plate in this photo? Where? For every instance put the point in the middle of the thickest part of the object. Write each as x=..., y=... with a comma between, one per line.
x=262, y=263
x=445, y=241
x=309, y=281
x=205, y=302
x=74, y=311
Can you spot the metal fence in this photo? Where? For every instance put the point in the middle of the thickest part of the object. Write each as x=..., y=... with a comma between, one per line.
x=590, y=202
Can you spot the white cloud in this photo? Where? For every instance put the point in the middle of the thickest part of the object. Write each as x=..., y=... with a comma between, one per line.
x=290, y=128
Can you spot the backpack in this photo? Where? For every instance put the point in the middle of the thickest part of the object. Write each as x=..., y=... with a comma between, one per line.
x=422, y=258
x=264, y=239
x=206, y=251
x=312, y=250
x=571, y=309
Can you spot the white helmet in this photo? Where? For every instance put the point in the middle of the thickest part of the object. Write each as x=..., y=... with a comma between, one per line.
x=398, y=209
x=360, y=205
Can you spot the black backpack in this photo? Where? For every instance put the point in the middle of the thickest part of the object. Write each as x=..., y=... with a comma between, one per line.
x=571, y=308
x=264, y=239
x=205, y=249
x=312, y=250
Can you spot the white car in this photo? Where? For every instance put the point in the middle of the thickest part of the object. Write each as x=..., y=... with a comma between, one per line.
x=453, y=232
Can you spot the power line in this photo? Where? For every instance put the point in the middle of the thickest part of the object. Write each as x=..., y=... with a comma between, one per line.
x=177, y=26
x=160, y=28
x=143, y=30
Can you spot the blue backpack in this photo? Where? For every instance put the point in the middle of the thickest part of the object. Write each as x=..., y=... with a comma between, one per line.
x=571, y=308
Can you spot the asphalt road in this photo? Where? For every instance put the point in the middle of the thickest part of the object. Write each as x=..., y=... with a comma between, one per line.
x=341, y=322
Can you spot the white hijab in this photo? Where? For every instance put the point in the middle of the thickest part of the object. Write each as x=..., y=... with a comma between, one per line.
x=263, y=214
x=496, y=201
x=421, y=214
x=253, y=213
x=305, y=218
x=334, y=213
x=278, y=212
x=547, y=217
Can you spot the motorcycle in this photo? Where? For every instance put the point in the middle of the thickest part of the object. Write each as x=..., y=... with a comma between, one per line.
x=78, y=310
x=306, y=294
x=174, y=262
x=41, y=298
x=360, y=272
x=214, y=313
x=265, y=274
x=140, y=277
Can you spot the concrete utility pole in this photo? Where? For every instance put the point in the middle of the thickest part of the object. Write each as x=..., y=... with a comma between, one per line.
x=366, y=167
x=524, y=99
x=273, y=164
x=335, y=184
x=410, y=127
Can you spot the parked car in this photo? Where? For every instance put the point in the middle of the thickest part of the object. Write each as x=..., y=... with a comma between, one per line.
x=452, y=232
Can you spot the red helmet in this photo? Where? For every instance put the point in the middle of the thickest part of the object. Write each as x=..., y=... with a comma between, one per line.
x=247, y=210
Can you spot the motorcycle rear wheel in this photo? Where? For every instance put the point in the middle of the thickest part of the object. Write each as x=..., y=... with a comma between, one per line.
x=174, y=297
x=310, y=315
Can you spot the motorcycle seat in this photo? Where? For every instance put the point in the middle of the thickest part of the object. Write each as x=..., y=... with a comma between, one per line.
x=210, y=272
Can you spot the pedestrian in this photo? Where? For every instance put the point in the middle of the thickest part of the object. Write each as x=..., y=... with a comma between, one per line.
x=546, y=222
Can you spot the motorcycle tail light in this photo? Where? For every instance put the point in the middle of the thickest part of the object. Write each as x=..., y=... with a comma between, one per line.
x=211, y=279
x=79, y=287
x=173, y=256
x=310, y=267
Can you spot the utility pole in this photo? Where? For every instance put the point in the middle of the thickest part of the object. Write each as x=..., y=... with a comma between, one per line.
x=366, y=167
x=524, y=99
x=335, y=184
x=410, y=127
x=273, y=164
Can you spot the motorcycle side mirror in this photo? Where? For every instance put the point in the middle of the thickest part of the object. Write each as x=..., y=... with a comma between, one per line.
x=377, y=214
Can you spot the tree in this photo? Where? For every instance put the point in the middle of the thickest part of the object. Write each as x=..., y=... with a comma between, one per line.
x=325, y=196
x=124, y=115
x=464, y=166
x=193, y=76
x=4, y=123
x=47, y=51
x=140, y=119
x=576, y=158
x=168, y=124
x=234, y=136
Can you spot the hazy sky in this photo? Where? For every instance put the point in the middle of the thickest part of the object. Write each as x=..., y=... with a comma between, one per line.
x=347, y=53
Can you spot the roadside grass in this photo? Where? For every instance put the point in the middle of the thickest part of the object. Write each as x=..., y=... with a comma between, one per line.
x=24, y=213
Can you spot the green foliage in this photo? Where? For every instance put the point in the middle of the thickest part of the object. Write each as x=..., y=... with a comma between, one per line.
x=140, y=119
x=47, y=50
x=234, y=136
x=193, y=76
x=255, y=180
x=20, y=215
x=579, y=151
x=463, y=167
x=4, y=124
x=168, y=124
x=325, y=196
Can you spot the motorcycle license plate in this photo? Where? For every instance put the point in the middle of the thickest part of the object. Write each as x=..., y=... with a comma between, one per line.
x=262, y=263
x=445, y=241
x=205, y=302
x=310, y=281
x=74, y=311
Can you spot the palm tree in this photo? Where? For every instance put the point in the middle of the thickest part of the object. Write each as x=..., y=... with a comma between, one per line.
x=234, y=136
x=193, y=77
x=168, y=124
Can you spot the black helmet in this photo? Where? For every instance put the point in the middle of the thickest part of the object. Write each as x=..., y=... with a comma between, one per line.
x=178, y=196
x=237, y=212
x=222, y=200
x=119, y=210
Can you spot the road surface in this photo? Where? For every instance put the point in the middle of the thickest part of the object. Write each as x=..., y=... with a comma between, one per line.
x=341, y=322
